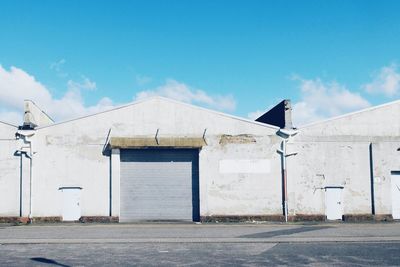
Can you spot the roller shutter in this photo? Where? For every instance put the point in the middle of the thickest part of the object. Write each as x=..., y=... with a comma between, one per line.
x=159, y=184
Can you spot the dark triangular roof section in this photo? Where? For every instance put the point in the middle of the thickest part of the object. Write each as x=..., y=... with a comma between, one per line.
x=280, y=115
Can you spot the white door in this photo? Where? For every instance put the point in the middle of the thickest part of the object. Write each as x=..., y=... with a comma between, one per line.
x=71, y=203
x=396, y=195
x=334, y=210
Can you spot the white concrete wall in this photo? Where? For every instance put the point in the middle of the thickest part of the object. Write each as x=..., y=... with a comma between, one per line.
x=321, y=164
x=376, y=121
x=258, y=192
x=9, y=172
x=331, y=153
x=70, y=154
x=336, y=152
x=34, y=116
x=386, y=158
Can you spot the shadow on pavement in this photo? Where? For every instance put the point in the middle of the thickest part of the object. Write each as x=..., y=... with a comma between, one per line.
x=284, y=232
x=49, y=261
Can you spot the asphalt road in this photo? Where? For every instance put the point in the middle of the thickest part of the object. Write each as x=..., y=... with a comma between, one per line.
x=200, y=245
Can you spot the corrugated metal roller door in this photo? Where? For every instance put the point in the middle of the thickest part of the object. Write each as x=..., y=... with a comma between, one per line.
x=159, y=184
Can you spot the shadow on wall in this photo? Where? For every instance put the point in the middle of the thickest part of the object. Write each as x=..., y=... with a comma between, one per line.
x=285, y=232
x=48, y=261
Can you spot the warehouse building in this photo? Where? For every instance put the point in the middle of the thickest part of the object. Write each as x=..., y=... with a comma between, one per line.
x=163, y=160
x=348, y=167
x=157, y=159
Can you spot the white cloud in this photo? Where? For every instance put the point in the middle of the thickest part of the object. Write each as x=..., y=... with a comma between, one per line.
x=71, y=105
x=320, y=100
x=182, y=92
x=386, y=81
x=255, y=114
x=85, y=84
x=57, y=67
x=11, y=117
x=142, y=80
x=17, y=85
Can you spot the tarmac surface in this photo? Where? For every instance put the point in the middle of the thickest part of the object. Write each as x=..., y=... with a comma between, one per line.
x=322, y=244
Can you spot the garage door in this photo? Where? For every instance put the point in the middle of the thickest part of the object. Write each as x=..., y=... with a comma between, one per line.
x=159, y=184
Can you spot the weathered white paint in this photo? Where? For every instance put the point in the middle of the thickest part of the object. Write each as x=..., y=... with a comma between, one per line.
x=332, y=152
x=72, y=153
x=34, y=116
x=244, y=166
x=386, y=159
x=375, y=121
x=71, y=210
x=395, y=181
x=334, y=210
x=321, y=164
x=337, y=151
x=10, y=170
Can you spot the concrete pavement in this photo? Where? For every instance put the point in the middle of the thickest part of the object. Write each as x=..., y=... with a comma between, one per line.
x=323, y=244
x=136, y=233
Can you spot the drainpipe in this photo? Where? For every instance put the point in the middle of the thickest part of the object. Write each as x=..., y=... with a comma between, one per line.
x=26, y=135
x=21, y=152
x=371, y=171
x=285, y=195
x=30, y=179
x=20, y=184
x=286, y=135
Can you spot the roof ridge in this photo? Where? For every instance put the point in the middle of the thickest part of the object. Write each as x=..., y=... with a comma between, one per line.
x=350, y=113
x=9, y=124
x=165, y=99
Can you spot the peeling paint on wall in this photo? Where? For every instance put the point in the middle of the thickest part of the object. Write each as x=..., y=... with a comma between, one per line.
x=237, y=139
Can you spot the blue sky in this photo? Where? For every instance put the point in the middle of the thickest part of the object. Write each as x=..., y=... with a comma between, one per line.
x=240, y=57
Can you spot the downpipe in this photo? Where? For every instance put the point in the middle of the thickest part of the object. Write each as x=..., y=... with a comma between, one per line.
x=29, y=154
x=286, y=135
x=282, y=151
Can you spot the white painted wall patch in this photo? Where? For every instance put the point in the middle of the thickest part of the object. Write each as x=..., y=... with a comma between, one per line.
x=244, y=166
